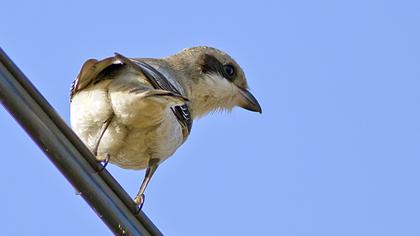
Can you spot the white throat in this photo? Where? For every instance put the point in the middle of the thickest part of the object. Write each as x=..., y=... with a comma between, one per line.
x=211, y=93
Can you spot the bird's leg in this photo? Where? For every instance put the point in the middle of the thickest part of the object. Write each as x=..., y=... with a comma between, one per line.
x=98, y=141
x=153, y=165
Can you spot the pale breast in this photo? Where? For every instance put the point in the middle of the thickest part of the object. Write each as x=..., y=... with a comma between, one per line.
x=89, y=109
x=141, y=127
x=138, y=145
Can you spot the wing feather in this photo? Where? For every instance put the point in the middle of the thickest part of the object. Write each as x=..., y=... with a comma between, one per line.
x=93, y=71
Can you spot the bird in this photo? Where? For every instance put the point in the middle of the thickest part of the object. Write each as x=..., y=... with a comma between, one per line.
x=136, y=112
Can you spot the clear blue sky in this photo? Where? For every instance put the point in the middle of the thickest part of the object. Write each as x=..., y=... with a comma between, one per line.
x=335, y=152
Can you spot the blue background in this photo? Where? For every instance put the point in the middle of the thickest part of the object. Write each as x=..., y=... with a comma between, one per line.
x=335, y=152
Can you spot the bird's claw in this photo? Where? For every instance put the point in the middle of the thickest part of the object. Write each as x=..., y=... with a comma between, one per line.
x=104, y=163
x=139, y=201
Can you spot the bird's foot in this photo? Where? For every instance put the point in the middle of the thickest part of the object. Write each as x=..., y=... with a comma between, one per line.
x=139, y=201
x=104, y=162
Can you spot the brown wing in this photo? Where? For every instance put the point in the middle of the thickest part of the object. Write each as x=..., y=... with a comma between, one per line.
x=90, y=73
x=93, y=71
x=159, y=81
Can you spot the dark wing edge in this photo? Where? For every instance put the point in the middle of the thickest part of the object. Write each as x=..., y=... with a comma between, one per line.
x=159, y=81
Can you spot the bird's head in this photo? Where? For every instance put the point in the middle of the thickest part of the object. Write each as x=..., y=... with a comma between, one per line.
x=213, y=80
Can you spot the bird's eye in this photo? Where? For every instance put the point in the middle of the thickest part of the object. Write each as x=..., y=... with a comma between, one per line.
x=229, y=70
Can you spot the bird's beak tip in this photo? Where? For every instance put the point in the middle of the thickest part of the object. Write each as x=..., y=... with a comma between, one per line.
x=249, y=102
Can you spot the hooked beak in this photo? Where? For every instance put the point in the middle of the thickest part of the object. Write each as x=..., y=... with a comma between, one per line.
x=249, y=102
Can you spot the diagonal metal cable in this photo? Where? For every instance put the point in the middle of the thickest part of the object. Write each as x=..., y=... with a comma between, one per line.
x=100, y=190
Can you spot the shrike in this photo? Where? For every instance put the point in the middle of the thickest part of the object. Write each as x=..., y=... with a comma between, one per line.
x=135, y=112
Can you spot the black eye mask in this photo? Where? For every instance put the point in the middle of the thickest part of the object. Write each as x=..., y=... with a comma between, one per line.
x=210, y=64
